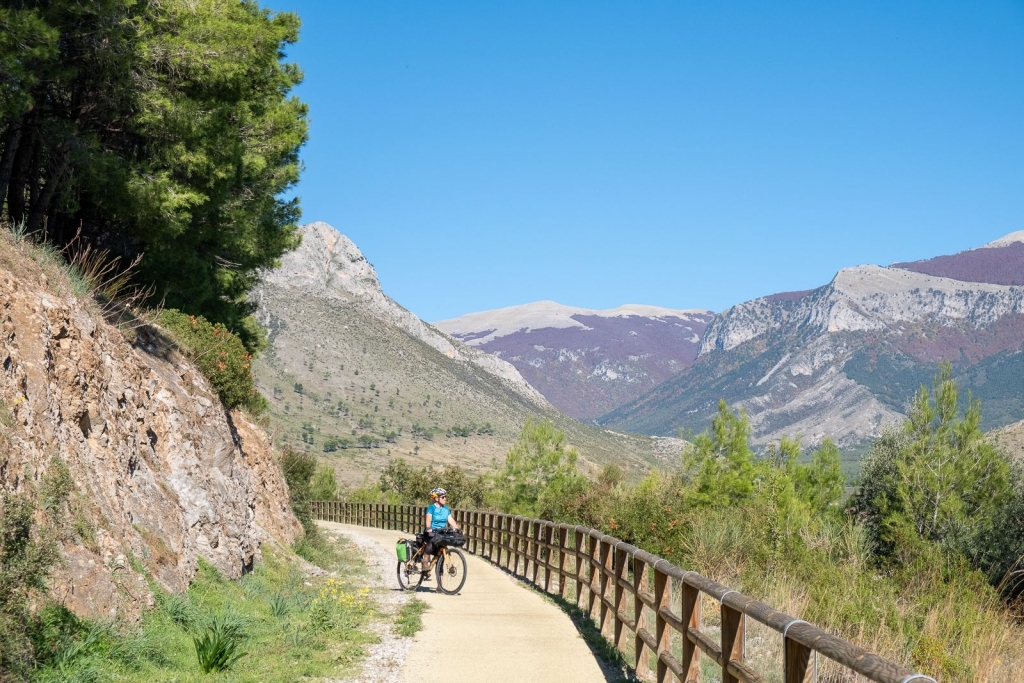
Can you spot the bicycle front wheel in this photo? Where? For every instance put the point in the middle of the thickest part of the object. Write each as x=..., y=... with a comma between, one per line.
x=451, y=571
x=409, y=576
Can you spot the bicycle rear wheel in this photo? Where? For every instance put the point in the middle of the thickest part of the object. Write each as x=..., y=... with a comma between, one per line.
x=451, y=571
x=409, y=575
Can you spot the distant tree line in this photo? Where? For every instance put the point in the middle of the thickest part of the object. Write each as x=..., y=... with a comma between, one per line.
x=161, y=129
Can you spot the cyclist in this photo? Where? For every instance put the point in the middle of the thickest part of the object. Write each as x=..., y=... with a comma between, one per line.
x=438, y=516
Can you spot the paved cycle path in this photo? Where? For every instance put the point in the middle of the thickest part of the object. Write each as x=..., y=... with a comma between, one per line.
x=494, y=630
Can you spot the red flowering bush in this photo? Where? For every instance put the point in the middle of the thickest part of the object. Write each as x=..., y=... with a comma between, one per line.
x=219, y=355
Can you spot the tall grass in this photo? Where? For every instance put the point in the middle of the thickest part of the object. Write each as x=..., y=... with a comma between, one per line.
x=291, y=625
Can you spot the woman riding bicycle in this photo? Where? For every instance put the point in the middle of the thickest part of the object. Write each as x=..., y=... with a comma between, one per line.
x=438, y=516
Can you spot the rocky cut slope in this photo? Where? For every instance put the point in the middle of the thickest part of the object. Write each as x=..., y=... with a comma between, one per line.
x=356, y=378
x=844, y=359
x=159, y=474
x=587, y=362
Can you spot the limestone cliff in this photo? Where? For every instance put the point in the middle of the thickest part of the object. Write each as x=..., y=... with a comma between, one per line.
x=329, y=266
x=844, y=359
x=163, y=475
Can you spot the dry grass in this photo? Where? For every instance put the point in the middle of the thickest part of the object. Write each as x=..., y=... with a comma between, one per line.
x=91, y=277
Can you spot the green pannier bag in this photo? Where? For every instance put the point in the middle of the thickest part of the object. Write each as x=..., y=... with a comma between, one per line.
x=402, y=548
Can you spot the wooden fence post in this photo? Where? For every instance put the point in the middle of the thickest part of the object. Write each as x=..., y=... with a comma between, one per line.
x=621, y=573
x=545, y=554
x=493, y=534
x=580, y=567
x=593, y=552
x=524, y=548
x=538, y=530
x=663, y=634
x=691, y=616
x=732, y=640
x=517, y=540
x=607, y=558
x=500, y=535
x=796, y=661
x=538, y=550
x=640, y=648
x=562, y=537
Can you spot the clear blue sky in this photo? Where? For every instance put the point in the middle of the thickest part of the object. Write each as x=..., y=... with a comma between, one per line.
x=678, y=154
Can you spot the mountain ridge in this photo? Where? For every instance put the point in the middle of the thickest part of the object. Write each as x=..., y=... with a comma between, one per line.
x=587, y=361
x=831, y=361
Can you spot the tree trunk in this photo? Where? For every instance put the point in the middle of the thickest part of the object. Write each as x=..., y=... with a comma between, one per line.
x=46, y=194
x=16, y=186
x=35, y=170
x=11, y=141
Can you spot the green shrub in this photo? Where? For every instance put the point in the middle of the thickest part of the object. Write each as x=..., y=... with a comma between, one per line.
x=279, y=606
x=298, y=469
x=935, y=481
x=335, y=609
x=26, y=557
x=217, y=649
x=401, y=483
x=220, y=356
x=179, y=609
x=324, y=484
x=540, y=477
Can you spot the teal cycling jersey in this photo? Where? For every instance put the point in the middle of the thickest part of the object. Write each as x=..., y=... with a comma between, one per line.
x=439, y=515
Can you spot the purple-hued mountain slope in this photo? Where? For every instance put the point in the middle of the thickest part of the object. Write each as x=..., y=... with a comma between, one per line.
x=587, y=362
x=998, y=263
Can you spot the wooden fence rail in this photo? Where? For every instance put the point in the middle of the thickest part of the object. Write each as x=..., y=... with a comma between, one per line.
x=626, y=590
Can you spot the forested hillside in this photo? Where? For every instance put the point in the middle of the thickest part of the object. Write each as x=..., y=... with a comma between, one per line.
x=160, y=131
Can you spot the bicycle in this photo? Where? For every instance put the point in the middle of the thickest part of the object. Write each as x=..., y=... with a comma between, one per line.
x=448, y=564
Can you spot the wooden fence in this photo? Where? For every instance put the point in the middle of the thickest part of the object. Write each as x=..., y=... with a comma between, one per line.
x=651, y=610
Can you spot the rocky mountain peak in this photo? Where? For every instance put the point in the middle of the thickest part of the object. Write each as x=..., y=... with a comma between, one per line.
x=330, y=266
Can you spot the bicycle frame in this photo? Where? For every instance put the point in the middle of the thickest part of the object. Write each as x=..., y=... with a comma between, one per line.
x=418, y=556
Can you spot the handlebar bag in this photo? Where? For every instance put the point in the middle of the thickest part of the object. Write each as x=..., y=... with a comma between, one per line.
x=449, y=538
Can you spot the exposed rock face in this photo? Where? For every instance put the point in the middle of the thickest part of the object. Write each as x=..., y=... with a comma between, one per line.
x=844, y=359
x=867, y=298
x=328, y=265
x=162, y=474
x=587, y=362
